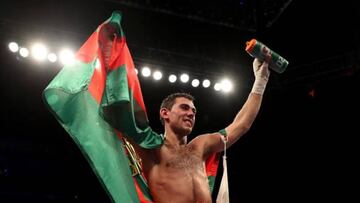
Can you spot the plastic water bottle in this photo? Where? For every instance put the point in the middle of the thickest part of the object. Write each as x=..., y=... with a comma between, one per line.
x=259, y=50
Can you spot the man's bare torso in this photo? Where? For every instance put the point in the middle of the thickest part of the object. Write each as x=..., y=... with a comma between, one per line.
x=178, y=175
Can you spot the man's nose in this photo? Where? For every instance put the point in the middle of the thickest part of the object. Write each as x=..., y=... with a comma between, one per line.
x=190, y=114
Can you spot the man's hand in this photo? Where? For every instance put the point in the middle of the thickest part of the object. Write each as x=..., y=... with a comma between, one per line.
x=262, y=73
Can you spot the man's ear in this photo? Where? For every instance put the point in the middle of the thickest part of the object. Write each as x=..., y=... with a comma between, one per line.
x=164, y=113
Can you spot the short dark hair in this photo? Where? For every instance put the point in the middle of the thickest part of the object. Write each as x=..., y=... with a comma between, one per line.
x=169, y=101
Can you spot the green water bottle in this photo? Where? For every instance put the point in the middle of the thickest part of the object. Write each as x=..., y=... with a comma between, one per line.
x=259, y=50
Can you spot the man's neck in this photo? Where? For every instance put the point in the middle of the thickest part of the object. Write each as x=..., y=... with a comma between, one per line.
x=173, y=139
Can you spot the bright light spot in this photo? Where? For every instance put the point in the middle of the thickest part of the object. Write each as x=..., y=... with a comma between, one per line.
x=172, y=78
x=217, y=86
x=136, y=71
x=206, y=83
x=52, y=57
x=157, y=75
x=24, y=52
x=145, y=71
x=97, y=64
x=67, y=57
x=184, y=78
x=195, y=82
x=226, y=85
x=13, y=46
x=39, y=52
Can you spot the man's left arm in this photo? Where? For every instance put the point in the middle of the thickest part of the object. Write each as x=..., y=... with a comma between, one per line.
x=244, y=118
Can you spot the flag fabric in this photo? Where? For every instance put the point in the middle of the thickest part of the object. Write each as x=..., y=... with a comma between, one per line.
x=85, y=98
x=223, y=194
x=98, y=101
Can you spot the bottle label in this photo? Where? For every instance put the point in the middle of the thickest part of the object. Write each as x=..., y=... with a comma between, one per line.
x=259, y=50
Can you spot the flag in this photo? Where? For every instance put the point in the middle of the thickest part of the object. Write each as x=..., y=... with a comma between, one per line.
x=223, y=194
x=98, y=101
x=95, y=99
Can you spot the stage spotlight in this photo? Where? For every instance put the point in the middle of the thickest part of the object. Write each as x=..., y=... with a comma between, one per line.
x=39, y=52
x=184, y=78
x=24, y=52
x=66, y=57
x=226, y=85
x=217, y=86
x=195, y=82
x=157, y=75
x=206, y=83
x=145, y=71
x=13, y=46
x=172, y=78
x=52, y=57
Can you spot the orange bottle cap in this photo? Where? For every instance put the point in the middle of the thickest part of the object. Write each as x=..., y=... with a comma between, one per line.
x=250, y=45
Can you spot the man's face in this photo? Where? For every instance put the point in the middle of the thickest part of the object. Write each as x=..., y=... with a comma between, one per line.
x=181, y=116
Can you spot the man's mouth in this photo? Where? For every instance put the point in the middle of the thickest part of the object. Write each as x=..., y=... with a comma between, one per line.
x=188, y=121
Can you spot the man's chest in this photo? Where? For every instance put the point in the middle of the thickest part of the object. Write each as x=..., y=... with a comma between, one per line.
x=185, y=158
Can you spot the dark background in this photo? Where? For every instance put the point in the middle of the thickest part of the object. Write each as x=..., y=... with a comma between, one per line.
x=302, y=146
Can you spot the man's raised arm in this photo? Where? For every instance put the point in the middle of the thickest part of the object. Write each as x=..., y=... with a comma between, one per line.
x=245, y=117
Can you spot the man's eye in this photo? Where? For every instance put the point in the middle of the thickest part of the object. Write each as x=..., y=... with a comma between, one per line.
x=185, y=107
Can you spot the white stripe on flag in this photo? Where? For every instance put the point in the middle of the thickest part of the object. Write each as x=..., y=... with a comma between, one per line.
x=223, y=195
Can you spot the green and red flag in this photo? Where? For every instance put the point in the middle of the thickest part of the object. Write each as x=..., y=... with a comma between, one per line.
x=98, y=101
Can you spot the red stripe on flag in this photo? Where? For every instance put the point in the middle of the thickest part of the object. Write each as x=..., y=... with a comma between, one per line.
x=87, y=53
x=116, y=61
x=212, y=164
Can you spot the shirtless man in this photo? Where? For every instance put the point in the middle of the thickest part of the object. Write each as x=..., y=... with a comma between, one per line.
x=176, y=170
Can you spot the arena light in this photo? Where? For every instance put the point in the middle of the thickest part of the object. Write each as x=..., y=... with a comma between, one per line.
x=226, y=85
x=206, y=83
x=184, y=78
x=39, y=51
x=195, y=82
x=217, y=86
x=24, y=52
x=52, y=57
x=13, y=46
x=145, y=71
x=157, y=75
x=172, y=78
x=66, y=57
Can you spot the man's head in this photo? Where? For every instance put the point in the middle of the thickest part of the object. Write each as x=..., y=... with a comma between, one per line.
x=178, y=110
